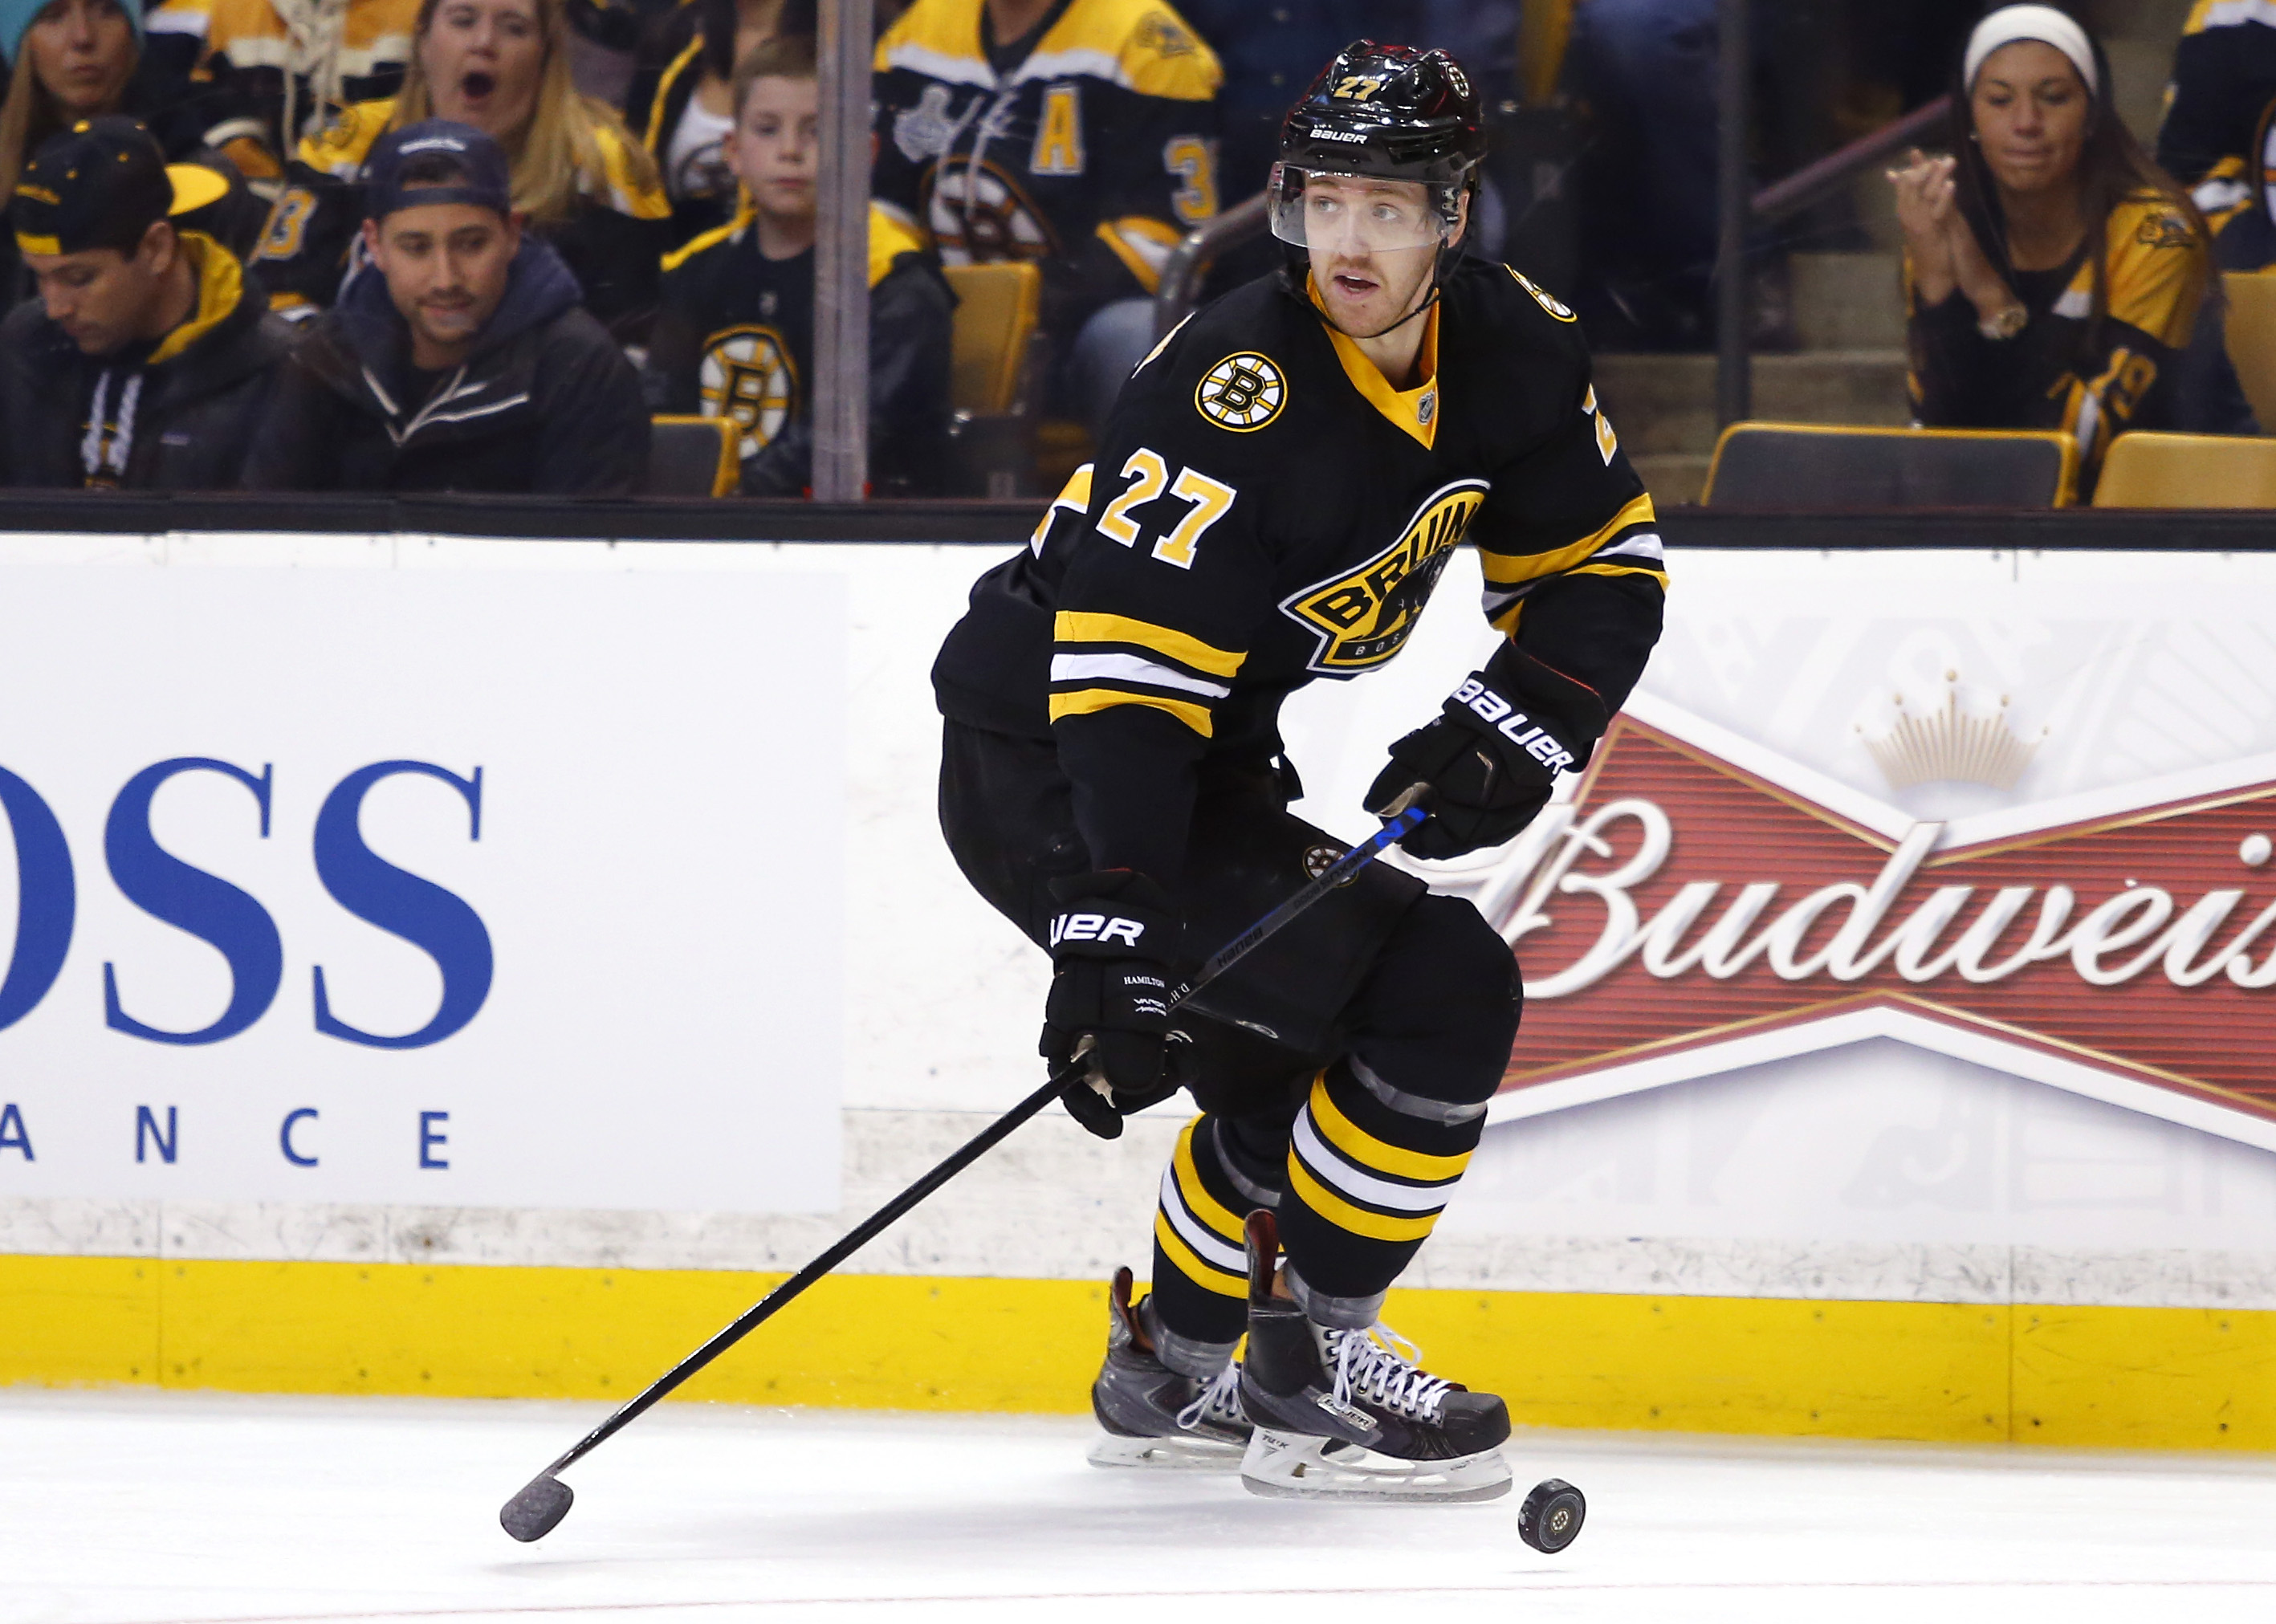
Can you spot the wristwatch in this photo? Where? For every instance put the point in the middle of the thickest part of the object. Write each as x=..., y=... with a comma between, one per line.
x=2004, y=323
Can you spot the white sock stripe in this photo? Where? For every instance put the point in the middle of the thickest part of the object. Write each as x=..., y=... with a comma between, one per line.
x=1208, y=1245
x=1329, y=1165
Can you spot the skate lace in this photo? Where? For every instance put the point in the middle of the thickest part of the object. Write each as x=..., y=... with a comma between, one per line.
x=1382, y=1367
x=1220, y=1400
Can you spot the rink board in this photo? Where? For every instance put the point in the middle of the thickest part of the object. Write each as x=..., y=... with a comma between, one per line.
x=1893, y=1221
x=2167, y=1378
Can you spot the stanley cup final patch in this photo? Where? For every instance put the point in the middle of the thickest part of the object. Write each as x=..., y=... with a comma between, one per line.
x=1243, y=392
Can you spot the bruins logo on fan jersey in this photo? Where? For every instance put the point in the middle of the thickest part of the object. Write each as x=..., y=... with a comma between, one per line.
x=978, y=216
x=1365, y=615
x=747, y=375
x=1243, y=392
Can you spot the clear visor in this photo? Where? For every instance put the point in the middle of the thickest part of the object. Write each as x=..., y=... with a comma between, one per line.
x=1327, y=213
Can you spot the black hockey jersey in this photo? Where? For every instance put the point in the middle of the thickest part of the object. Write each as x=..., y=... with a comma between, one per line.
x=1266, y=509
x=1093, y=153
x=734, y=337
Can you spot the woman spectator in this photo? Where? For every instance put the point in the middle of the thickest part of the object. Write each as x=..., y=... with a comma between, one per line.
x=2052, y=272
x=77, y=59
x=502, y=66
x=680, y=104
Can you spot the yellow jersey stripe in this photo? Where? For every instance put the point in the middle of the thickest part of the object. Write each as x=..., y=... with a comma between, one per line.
x=1199, y=1202
x=1368, y=1151
x=1208, y=1276
x=1149, y=276
x=1084, y=701
x=1503, y=569
x=1074, y=626
x=663, y=91
x=1343, y=1215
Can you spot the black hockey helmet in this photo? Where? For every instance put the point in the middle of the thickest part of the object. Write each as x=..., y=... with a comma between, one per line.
x=1386, y=113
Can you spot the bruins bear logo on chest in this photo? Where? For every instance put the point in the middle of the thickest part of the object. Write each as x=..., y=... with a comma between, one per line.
x=1365, y=615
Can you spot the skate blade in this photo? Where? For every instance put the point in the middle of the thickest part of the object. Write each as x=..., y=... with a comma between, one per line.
x=1290, y=1465
x=1164, y=1454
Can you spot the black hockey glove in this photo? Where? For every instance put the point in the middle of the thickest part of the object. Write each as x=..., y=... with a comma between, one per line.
x=1113, y=942
x=1492, y=757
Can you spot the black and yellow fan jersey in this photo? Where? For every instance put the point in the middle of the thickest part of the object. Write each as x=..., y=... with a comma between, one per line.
x=734, y=339
x=2094, y=379
x=2214, y=138
x=1090, y=146
x=1266, y=509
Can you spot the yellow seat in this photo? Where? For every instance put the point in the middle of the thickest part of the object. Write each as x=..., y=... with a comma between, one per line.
x=2187, y=470
x=997, y=306
x=2252, y=334
x=692, y=456
x=1825, y=465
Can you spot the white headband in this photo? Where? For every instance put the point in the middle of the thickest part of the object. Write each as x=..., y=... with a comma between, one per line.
x=2043, y=22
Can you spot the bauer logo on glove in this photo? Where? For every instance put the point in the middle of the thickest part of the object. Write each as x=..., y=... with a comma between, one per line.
x=1513, y=724
x=1101, y=928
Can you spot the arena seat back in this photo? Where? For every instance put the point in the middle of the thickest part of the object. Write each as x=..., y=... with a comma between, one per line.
x=692, y=456
x=996, y=307
x=2187, y=470
x=1818, y=465
x=2251, y=337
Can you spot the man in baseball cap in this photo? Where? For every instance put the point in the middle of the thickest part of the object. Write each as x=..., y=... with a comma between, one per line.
x=145, y=359
x=461, y=357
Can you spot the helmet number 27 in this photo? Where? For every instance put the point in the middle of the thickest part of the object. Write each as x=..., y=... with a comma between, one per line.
x=1357, y=88
x=1149, y=478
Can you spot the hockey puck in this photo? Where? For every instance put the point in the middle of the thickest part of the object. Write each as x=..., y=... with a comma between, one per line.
x=1551, y=1516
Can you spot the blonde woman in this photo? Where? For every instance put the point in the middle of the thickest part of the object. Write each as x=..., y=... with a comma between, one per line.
x=501, y=66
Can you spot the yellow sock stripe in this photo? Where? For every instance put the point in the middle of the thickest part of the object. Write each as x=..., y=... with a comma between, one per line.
x=1657, y=573
x=1503, y=569
x=1368, y=1151
x=1343, y=1215
x=1208, y=1276
x=1074, y=626
x=1199, y=1202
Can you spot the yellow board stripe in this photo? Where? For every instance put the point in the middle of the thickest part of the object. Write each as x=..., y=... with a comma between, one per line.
x=1343, y=1215
x=1208, y=1276
x=1503, y=569
x=1199, y=1202
x=1368, y=1151
x=1074, y=626
x=1084, y=701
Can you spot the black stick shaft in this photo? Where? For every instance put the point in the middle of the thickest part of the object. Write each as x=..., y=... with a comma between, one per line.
x=883, y=1218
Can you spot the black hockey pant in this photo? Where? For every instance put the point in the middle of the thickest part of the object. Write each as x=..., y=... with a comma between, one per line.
x=1343, y=1069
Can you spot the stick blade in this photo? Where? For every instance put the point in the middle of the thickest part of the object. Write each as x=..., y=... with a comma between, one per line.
x=537, y=1510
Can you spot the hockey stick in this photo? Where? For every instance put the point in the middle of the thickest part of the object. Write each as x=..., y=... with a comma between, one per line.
x=545, y=1500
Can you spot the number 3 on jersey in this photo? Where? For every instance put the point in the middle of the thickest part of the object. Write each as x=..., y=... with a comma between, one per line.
x=1149, y=477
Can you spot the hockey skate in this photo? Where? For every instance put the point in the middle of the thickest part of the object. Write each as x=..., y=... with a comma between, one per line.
x=1347, y=1415
x=1152, y=1415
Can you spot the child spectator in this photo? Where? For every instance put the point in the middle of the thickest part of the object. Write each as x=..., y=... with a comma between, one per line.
x=735, y=334
x=148, y=357
x=681, y=103
x=2052, y=272
x=1078, y=134
x=293, y=62
x=460, y=358
x=500, y=66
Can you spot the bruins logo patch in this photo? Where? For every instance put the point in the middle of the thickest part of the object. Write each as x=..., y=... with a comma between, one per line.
x=1556, y=308
x=1243, y=392
x=2164, y=231
x=1366, y=616
x=747, y=375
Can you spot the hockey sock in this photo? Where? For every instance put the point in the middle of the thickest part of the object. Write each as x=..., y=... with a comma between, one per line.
x=1369, y=1169
x=1201, y=1271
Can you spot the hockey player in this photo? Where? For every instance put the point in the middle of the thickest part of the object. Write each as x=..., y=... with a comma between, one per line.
x=1279, y=487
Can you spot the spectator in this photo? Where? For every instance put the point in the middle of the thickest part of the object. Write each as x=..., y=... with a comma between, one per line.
x=681, y=103
x=501, y=66
x=2052, y=272
x=77, y=59
x=735, y=334
x=2213, y=136
x=292, y=63
x=1074, y=133
x=149, y=356
x=460, y=358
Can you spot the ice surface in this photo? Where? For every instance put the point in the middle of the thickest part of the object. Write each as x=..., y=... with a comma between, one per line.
x=132, y=1507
